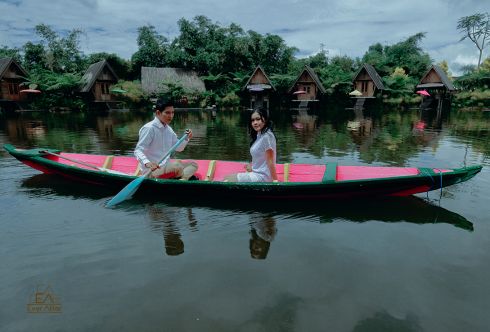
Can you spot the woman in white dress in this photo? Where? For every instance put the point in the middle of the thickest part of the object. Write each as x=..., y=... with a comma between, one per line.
x=262, y=149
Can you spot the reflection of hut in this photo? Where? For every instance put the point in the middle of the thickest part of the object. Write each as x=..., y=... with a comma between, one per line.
x=307, y=87
x=97, y=84
x=259, y=88
x=11, y=76
x=155, y=80
x=436, y=82
x=367, y=81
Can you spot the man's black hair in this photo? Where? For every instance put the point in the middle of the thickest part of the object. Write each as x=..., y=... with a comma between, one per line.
x=163, y=102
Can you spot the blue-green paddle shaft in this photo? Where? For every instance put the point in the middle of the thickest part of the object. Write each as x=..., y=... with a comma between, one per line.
x=128, y=191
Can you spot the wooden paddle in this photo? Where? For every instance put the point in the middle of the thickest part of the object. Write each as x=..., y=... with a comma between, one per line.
x=128, y=191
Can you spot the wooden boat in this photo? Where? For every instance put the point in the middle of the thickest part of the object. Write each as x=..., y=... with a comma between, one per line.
x=296, y=181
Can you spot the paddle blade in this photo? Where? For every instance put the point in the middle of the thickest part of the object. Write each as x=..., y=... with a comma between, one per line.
x=127, y=192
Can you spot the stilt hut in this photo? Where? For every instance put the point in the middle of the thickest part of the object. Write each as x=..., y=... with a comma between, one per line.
x=259, y=88
x=438, y=87
x=436, y=81
x=11, y=76
x=367, y=81
x=307, y=88
x=98, y=81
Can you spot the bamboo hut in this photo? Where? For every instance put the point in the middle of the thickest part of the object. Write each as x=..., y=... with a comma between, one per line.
x=259, y=88
x=367, y=81
x=98, y=81
x=307, y=88
x=438, y=86
x=11, y=76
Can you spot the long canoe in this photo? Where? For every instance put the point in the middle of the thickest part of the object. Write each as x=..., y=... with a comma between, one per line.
x=296, y=181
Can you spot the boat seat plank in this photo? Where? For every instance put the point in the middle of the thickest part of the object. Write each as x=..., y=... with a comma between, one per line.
x=330, y=175
x=108, y=162
x=286, y=172
x=210, y=172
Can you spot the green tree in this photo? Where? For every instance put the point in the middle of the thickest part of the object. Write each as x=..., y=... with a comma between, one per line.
x=62, y=54
x=406, y=54
x=152, y=49
x=34, y=56
x=477, y=29
x=6, y=52
x=120, y=66
x=445, y=67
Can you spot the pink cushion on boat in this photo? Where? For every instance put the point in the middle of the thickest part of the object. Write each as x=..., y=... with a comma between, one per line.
x=306, y=173
x=368, y=172
x=124, y=164
x=96, y=160
x=224, y=168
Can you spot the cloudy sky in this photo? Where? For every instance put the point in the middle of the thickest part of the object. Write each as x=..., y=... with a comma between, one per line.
x=345, y=27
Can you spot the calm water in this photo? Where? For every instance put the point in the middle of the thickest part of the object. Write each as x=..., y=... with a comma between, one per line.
x=412, y=264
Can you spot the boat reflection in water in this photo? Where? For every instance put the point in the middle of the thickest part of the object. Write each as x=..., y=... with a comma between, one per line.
x=168, y=217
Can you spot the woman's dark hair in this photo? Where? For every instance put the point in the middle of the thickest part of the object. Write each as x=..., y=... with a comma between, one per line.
x=267, y=124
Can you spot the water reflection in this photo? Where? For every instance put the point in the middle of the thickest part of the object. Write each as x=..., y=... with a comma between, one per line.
x=390, y=210
x=262, y=233
x=165, y=219
x=383, y=321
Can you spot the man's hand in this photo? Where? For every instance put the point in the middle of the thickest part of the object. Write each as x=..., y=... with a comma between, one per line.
x=188, y=131
x=152, y=165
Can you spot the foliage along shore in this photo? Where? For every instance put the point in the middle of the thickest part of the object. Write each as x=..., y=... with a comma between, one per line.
x=224, y=57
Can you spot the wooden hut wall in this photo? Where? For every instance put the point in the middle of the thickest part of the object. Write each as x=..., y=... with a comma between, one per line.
x=259, y=78
x=364, y=84
x=103, y=85
x=10, y=84
x=431, y=77
x=306, y=83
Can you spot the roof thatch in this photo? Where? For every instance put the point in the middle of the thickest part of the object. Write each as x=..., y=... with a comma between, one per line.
x=153, y=77
x=313, y=75
x=5, y=63
x=443, y=79
x=267, y=85
x=373, y=74
x=93, y=72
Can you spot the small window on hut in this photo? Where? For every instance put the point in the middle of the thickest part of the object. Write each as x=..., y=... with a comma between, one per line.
x=104, y=88
x=364, y=86
x=13, y=89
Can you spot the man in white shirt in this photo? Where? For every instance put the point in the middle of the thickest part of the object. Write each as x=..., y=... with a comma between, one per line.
x=155, y=140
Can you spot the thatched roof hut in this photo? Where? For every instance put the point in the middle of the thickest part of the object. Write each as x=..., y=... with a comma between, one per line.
x=259, y=88
x=98, y=81
x=153, y=79
x=367, y=81
x=11, y=76
x=308, y=82
x=436, y=79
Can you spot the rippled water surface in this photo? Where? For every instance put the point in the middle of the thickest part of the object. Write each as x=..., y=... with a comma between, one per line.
x=163, y=264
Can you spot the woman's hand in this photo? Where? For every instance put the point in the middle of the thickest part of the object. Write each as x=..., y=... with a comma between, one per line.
x=188, y=131
x=248, y=167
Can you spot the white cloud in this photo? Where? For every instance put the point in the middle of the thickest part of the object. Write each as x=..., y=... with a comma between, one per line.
x=344, y=27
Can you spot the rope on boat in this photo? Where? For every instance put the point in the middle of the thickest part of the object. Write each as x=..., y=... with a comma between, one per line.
x=433, y=183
